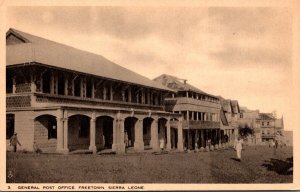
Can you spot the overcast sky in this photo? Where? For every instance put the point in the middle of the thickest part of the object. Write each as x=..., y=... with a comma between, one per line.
x=238, y=53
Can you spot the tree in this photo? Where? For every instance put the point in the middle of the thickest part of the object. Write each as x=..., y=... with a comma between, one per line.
x=245, y=131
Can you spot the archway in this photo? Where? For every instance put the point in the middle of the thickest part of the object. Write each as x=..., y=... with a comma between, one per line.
x=45, y=132
x=147, y=122
x=104, y=132
x=162, y=130
x=129, y=126
x=78, y=132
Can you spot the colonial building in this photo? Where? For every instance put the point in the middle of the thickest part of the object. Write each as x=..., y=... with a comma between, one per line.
x=248, y=119
x=64, y=99
x=266, y=123
x=200, y=110
x=230, y=113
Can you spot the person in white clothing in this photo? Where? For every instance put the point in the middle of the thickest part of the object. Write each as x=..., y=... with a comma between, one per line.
x=239, y=147
x=162, y=144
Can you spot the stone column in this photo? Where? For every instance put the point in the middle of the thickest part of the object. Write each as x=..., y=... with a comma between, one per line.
x=154, y=135
x=121, y=145
x=66, y=131
x=92, y=146
x=138, y=133
x=114, y=144
x=60, y=130
x=202, y=140
x=180, y=136
x=216, y=140
x=168, y=135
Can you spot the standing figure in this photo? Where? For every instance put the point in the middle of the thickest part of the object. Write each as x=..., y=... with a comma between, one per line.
x=14, y=142
x=239, y=147
x=126, y=139
x=162, y=144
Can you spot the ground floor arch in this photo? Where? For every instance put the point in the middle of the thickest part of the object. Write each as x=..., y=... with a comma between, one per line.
x=78, y=132
x=104, y=132
x=129, y=131
x=147, y=123
x=45, y=133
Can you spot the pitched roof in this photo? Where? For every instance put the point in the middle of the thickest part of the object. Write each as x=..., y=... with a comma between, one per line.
x=235, y=106
x=175, y=83
x=231, y=106
x=223, y=117
x=225, y=103
x=266, y=116
x=40, y=50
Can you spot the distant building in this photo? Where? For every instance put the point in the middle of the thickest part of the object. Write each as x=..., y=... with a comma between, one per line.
x=270, y=127
x=200, y=110
x=230, y=113
x=248, y=118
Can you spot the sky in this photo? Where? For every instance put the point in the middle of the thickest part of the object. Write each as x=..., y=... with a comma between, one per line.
x=239, y=53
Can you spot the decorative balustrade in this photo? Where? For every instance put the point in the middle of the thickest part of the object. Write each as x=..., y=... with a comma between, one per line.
x=184, y=100
x=49, y=98
x=18, y=101
x=201, y=124
x=23, y=88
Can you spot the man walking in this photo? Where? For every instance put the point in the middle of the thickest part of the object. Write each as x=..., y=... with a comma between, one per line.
x=14, y=142
x=239, y=147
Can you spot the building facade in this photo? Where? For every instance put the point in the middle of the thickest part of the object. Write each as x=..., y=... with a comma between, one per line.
x=230, y=113
x=248, y=119
x=63, y=99
x=200, y=111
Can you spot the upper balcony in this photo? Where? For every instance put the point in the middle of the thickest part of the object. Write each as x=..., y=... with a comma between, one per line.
x=46, y=87
x=190, y=104
x=201, y=124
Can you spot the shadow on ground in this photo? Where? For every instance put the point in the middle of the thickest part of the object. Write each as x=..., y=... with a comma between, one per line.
x=235, y=159
x=279, y=166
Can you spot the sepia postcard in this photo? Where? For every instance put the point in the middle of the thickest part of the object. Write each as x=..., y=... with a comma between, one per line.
x=149, y=95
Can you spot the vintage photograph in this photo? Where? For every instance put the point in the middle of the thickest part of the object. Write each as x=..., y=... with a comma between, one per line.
x=149, y=95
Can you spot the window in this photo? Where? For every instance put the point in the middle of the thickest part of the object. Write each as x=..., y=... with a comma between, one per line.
x=268, y=123
x=52, y=131
x=241, y=115
x=263, y=132
x=262, y=123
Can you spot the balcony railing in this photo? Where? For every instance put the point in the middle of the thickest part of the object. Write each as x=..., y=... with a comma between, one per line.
x=184, y=103
x=201, y=124
x=69, y=100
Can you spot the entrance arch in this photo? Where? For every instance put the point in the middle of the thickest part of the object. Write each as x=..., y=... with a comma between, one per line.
x=129, y=126
x=78, y=132
x=104, y=132
x=45, y=132
x=162, y=129
x=147, y=122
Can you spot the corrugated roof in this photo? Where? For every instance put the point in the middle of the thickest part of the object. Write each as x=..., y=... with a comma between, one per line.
x=175, y=83
x=51, y=53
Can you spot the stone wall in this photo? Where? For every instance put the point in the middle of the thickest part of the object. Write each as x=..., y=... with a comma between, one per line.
x=41, y=139
x=24, y=126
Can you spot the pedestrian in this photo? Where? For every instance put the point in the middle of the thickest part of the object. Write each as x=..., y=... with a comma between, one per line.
x=14, y=142
x=126, y=138
x=239, y=147
x=161, y=144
